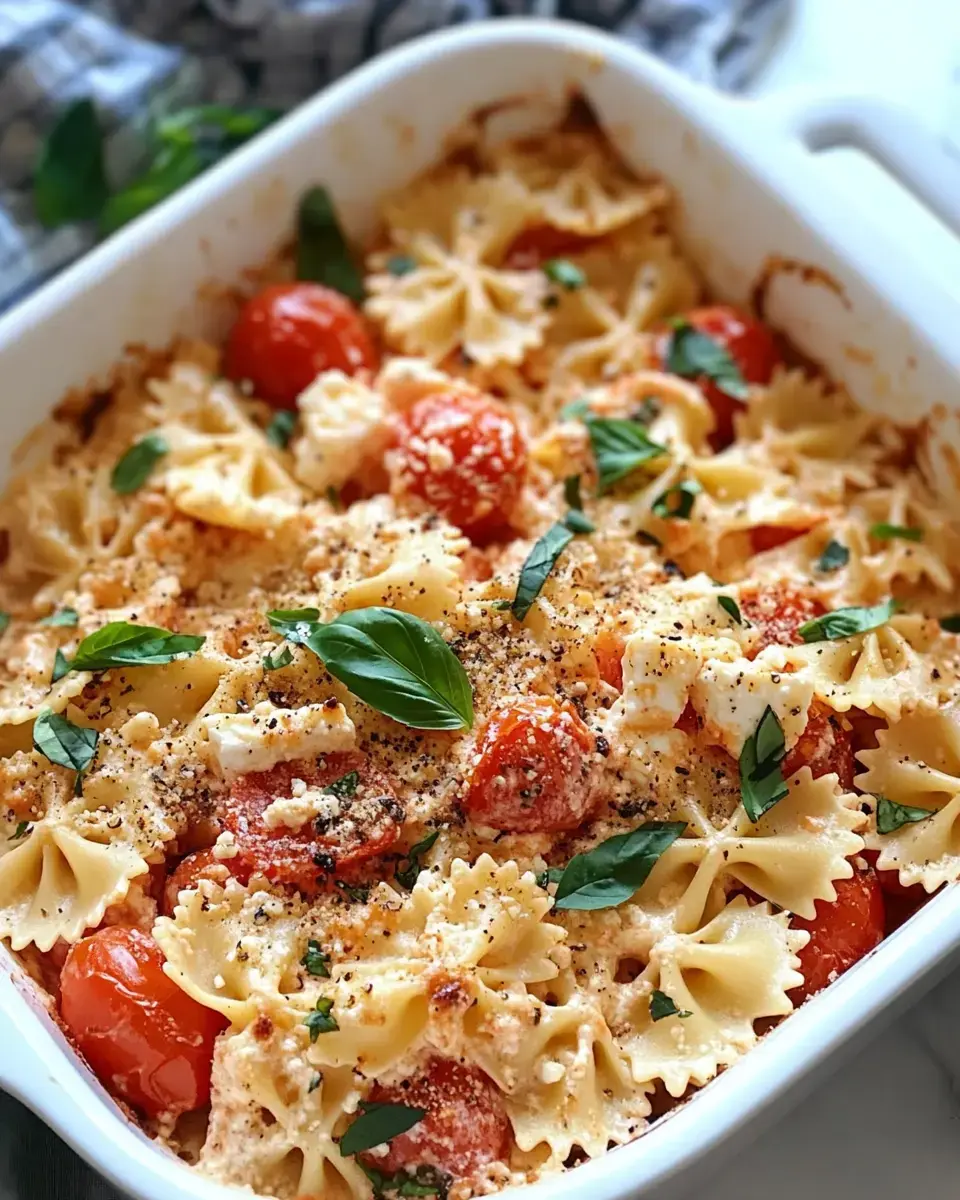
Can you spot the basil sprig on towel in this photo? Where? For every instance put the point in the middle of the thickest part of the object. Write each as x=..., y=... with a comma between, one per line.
x=123, y=644
x=846, y=622
x=613, y=871
x=762, y=783
x=692, y=354
x=63, y=743
x=323, y=255
x=390, y=659
x=378, y=1123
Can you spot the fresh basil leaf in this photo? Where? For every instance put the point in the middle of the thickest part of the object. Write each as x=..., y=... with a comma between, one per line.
x=123, y=644
x=378, y=1123
x=762, y=783
x=846, y=622
x=891, y=816
x=397, y=664
x=133, y=468
x=280, y=430
x=357, y=892
x=63, y=743
x=173, y=168
x=578, y=522
x=321, y=1020
x=662, y=1006
x=905, y=533
x=550, y=875
x=575, y=410
x=571, y=492
x=619, y=447
x=314, y=1082
x=282, y=657
x=613, y=871
x=677, y=501
x=315, y=961
x=401, y=264
x=60, y=667
x=63, y=616
x=566, y=274
x=345, y=786
x=692, y=355
x=4, y=620
x=294, y=624
x=537, y=567
x=406, y=875
x=70, y=183
x=834, y=557
x=23, y=829
x=217, y=124
x=646, y=411
x=950, y=624
x=323, y=255
x=731, y=608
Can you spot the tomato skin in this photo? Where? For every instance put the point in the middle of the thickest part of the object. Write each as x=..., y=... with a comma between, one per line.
x=532, y=775
x=465, y=457
x=288, y=333
x=465, y=1128
x=749, y=343
x=777, y=614
x=303, y=856
x=842, y=932
x=188, y=872
x=826, y=747
x=608, y=651
x=146, y=1039
x=769, y=537
x=537, y=244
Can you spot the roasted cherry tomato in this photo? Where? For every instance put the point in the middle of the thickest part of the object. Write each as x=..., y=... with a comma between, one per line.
x=533, y=773
x=187, y=874
x=768, y=537
x=777, y=614
x=534, y=246
x=608, y=651
x=148, y=1041
x=751, y=346
x=464, y=455
x=825, y=746
x=290, y=332
x=361, y=820
x=465, y=1128
x=843, y=932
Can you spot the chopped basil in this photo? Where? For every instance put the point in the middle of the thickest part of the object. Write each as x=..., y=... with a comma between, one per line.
x=321, y=1020
x=762, y=783
x=323, y=255
x=692, y=354
x=834, y=556
x=646, y=411
x=345, y=786
x=4, y=620
x=378, y=1123
x=60, y=666
x=401, y=264
x=569, y=276
x=950, y=624
x=123, y=644
x=282, y=657
x=23, y=828
x=356, y=892
x=70, y=183
x=425, y=1181
x=731, y=608
x=295, y=624
x=280, y=430
x=550, y=875
x=538, y=565
x=315, y=1082
x=891, y=816
x=905, y=533
x=578, y=522
x=677, y=501
x=315, y=961
x=333, y=498
x=613, y=871
x=571, y=492
x=575, y=520
x=133, y=468
x=662, y=1006
x=63, y=743
x=619, y=447
x=406, y=875
x=576, y=410
x=63, y=616
x=846, y=622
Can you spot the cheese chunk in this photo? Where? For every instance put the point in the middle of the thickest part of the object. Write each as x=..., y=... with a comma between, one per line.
x=266, y=735
x=657, y=675
x=731, y=698
x=344, y=427
x=304, y=805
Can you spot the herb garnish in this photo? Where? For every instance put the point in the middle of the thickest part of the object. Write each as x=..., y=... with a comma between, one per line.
x=538, y=565
x=315, y=961
x=576, y=410
x=662, y=1006
x=950, y=624
x=569, y=276
x=333, y=498
x=613, y=871
x=282, y=657
x=762, y=783
x=406, y=875
x=550, y=875
x=891, y=816
x=677, y=501
x=70, y=183
x=378, y=1123
x=21, y=831
x=280, y=430
x=846, y=622
x=4, y=620
x=905, y=533
x=123, y=644
x=619, y=447
x=63, y=616
x=133, y=468
x=63, y=743
x=295, y=624
x=356, y=892
x=731, y=608
x=321, y=1020
x=345, y=786
x=834, y=556
x=401, y=264
x=323, y=255
x=692, y=354
x=571, y=492
x=425, y=1181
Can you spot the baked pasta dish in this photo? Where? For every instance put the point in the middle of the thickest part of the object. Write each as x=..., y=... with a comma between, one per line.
x=452, y=720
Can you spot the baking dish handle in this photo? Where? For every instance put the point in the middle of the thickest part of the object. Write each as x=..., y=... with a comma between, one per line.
x=914, y=154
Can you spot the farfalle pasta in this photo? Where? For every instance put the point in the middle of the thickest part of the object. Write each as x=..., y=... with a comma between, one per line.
x=479, y=712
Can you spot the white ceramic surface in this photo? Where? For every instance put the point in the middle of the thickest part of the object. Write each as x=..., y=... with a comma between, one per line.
x=748, y=191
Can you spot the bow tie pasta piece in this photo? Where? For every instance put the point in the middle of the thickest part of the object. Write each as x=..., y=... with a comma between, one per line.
x=25, y=686
x=421, y=577
x=917, y=764
x=344, y=431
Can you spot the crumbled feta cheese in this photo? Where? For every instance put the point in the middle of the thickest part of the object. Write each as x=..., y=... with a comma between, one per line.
x=657, y=675
x=344, y=426
x=306, y=804
x=266, y=735
x=732, y=696
x=225, y=846
x=550, y=1071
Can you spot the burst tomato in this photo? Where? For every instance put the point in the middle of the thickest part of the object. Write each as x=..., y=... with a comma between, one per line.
x=290, y=332
x=464, y=456
x=777, y=614
x=537, y=244
x=146, y=1039
x=608, y=651
x=768, y=537
x=533, y=773
x=465, y=1128
x=825, y=746
x=841, y=933
x=187, y=874
x=362, y=820
x=751, y=346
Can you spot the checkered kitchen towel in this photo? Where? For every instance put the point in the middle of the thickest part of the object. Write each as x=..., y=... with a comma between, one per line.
x=129, y=55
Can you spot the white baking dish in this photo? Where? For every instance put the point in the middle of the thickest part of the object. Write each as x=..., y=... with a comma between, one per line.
x=749, y=188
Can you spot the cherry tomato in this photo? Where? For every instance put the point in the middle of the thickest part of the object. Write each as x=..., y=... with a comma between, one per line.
x=463, y=455
x=890, y=881
x=841, y=933
x=146, y=1039
x=751, y=346
x=768, y=537
x=777, y=614
x=533, y=774
x=825, y=746
x=465, y=1128
x=187, y=874
x=290, y=332
x=364, y=820
x=537, y=244
x=608, y=651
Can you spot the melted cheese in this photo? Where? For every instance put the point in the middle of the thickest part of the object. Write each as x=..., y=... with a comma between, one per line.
x=267, y=735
